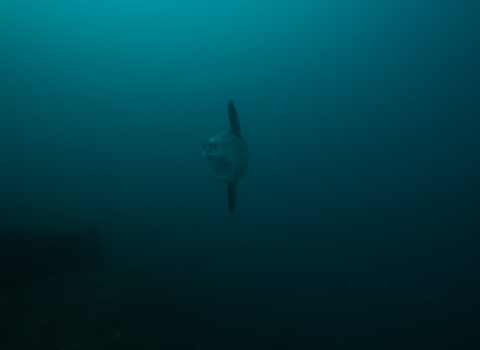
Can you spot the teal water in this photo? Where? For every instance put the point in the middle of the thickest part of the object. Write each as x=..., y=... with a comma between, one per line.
x=356, y=224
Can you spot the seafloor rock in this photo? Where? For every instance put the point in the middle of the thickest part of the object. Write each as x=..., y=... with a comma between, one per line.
x=102, y=310
x=31, y=254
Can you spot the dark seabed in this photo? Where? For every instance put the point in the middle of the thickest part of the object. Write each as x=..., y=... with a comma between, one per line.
x=356, y=226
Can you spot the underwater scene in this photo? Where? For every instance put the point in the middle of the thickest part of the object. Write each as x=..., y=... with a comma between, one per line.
x=239, y=175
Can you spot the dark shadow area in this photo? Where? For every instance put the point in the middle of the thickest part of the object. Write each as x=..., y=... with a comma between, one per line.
x=31, y=254
x=104, y=310
x=57, y=292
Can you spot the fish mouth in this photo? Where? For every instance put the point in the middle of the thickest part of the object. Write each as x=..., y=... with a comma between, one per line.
x=214, y=154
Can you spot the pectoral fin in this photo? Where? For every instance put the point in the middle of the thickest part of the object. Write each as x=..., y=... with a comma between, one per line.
x=232, y=196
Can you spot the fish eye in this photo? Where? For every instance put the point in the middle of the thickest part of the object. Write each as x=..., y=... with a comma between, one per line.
x=210, y=147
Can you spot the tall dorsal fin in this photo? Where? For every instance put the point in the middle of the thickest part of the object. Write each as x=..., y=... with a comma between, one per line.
x=234, y=123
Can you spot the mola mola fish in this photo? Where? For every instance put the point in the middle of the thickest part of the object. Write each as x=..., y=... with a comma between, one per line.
x=226, y=154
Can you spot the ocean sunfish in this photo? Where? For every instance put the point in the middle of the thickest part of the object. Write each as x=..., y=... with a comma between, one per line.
x=226, y=154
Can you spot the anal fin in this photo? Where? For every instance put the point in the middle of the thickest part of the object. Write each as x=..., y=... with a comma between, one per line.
x=232, y=196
